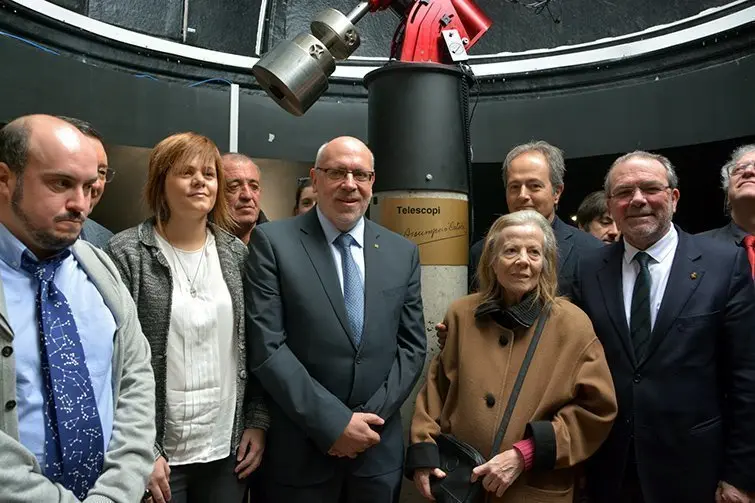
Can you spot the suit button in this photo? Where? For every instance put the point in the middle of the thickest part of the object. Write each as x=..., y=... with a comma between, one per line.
x=7, y=351
x=503, y=341
x=10, y=405
x=489, y=400
x=242, y=374
x=637, y=378
x=359, y=360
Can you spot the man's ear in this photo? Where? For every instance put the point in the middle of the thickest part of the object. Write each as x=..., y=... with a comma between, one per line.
x=6, y=179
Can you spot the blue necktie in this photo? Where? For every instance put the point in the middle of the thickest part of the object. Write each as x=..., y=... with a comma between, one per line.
x=74, y=445
x=353, y=291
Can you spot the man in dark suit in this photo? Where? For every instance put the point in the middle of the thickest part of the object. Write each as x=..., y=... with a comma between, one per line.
x=336, y=338
x=676, y=316
x=533, y=175
x=738, y=182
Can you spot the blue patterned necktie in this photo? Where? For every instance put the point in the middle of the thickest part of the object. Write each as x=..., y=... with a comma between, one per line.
x=353, y=291
x=74, y=445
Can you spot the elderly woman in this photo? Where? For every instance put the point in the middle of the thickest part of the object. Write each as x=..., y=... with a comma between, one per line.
x=567, y=402
x=183, y=268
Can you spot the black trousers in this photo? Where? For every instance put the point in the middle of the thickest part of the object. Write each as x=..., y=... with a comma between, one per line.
x=344, y=488
x=212, y=482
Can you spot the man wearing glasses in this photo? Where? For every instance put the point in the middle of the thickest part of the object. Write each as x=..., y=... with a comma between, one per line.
x=92, y=231
x=335, y=334
x=738, y=182
x=675, y=314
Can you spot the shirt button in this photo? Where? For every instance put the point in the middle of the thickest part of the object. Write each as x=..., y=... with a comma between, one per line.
x=503, y=341
x=10, y=405
x=7, y=351
x=489, y=400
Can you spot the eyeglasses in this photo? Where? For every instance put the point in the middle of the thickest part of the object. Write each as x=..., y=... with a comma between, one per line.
x=740, y=169
x=647, y=189
x=338, y=174
x=106, y=174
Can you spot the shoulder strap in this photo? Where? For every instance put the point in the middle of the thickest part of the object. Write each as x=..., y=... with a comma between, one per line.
x=520, y=379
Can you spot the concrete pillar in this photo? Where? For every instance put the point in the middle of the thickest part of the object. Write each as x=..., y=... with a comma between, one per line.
x=441, y=237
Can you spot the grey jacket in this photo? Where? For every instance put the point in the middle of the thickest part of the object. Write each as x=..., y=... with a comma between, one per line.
x=95, y=234
x=147, y=274
x=129, y=457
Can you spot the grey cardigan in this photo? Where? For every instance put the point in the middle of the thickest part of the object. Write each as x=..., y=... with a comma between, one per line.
x=147, y=274
x=129, y=458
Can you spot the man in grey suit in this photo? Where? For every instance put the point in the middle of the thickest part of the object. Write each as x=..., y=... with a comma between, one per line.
x=336, y=338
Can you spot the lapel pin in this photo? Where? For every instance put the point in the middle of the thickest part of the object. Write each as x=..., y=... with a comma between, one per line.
x=377, y=245
x=693, y=275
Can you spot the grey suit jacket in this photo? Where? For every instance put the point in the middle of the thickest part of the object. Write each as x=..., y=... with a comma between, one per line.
x=303, y=352
x=95, y=234
x=128, y=460
x=730, y=232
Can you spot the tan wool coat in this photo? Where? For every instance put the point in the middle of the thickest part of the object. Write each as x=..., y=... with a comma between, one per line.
x=567, y=403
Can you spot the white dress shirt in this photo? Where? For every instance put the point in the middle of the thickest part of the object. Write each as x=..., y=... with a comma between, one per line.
x=332, y=232
x=662, y=254
x=201, y=358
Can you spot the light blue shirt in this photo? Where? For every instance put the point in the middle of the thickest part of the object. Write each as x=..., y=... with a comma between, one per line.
x=331, y=233
x=95, y=324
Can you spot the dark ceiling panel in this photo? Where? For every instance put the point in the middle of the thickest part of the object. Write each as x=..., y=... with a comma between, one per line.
x=515, y=27
x=224, y=25
x=162, y=19
x=79, y=6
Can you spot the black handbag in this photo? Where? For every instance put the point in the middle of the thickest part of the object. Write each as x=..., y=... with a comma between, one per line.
x=458, y=459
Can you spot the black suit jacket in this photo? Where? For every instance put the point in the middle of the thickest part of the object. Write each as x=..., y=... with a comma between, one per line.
x=688, y=406
x=730, y=232
x=571, y=241
x=303, y=352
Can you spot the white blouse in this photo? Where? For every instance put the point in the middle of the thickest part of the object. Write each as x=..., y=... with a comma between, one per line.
x=202, y=357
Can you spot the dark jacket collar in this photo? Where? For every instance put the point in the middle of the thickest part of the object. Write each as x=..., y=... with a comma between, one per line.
x=522, y=315
x=736, y=232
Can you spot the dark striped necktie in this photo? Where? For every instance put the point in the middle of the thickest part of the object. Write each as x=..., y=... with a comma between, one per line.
x=639, y=320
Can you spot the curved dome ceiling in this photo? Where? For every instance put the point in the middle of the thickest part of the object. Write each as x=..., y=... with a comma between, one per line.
x=232, y=33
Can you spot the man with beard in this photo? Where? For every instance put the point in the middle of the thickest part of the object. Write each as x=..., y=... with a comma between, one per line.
x=92, y=231
x=76, y=385
x=243, y=192
x=533, y=176
x=738, y=182
x=336, y=337
x=675, y=314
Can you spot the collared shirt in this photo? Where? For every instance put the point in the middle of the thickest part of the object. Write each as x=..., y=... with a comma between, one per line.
x=332, y=232
x=662, y=253
x=95, y=324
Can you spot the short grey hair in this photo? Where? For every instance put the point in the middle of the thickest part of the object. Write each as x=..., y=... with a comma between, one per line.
x=673, y=180
x=554, y=156
x=726, y=170
x=321, y=152
x=241, y=158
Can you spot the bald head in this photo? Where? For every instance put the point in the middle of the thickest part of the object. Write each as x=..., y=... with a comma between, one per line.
x=342, y=179
x=47, y=169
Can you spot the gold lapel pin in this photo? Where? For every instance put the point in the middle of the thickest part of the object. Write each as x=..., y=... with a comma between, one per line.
x=377, y=245
x=693, y=275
